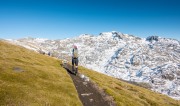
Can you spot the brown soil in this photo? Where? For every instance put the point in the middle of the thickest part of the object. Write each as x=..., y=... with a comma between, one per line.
x=89, y=93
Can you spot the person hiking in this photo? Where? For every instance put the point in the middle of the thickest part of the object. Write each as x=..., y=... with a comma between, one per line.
x=75, y=59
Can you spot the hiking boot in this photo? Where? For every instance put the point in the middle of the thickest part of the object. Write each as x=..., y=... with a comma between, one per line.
x=76, y=70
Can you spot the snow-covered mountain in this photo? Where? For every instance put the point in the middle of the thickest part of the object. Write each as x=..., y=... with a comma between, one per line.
x=153, y=60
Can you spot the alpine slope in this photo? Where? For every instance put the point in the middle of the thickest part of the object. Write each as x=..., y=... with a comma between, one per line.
x=152, y=60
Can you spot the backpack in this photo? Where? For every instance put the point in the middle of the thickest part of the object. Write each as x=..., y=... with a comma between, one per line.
x=75, y=53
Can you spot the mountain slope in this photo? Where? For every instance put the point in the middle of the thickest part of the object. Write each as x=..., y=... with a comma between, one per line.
x=28, y=78
x=155, y=60
x=125, y=94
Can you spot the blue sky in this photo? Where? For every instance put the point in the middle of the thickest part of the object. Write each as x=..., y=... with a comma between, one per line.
x=59, y=19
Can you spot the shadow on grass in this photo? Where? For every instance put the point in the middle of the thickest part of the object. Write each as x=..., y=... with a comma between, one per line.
x=68, y=68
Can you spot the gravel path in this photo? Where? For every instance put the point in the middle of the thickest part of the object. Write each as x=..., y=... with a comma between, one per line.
x=88, y=92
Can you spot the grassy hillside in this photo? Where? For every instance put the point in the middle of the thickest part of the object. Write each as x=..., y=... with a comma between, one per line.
x=31, y=79
x=126, y=94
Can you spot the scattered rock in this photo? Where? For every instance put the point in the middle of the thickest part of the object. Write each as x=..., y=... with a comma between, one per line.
x=91, y=100
x=86, y=94
x=18, y=69
x=151, y=38
x=85, y=78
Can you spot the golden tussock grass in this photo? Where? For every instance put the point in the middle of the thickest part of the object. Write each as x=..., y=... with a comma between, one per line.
x=126, y=94
x=31, y=79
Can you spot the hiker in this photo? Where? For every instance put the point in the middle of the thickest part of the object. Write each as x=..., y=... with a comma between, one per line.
x=75, y=59
x=49, y=53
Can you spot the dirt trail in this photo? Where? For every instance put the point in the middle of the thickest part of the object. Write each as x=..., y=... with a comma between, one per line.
x=88, y=92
